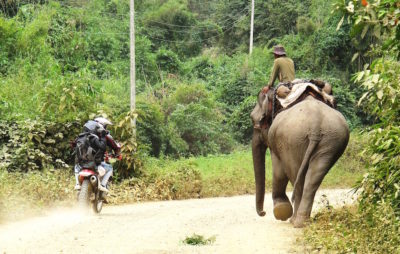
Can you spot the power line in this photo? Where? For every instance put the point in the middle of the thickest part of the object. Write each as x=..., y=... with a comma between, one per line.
x=148, y=24
x=203, y=40
x=204, y=30
x=211, y=37
x=183, y=26
x=173, y=30
x=226, y=28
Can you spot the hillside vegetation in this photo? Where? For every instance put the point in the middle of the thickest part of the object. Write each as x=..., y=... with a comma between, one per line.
x=64, y=62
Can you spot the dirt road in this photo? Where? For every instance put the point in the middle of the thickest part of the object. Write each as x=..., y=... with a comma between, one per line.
x=160, y=227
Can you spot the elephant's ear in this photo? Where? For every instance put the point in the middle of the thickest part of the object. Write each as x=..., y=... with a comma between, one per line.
x=261, y=111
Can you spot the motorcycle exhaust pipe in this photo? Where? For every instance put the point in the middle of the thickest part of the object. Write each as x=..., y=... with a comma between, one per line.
x=93, y=180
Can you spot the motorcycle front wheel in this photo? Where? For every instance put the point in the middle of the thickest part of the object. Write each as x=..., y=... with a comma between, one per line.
x=84, y=194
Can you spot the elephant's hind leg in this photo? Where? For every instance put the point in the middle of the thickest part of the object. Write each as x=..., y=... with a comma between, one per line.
x=282, y=207
x=297, y=199
x=317, y=170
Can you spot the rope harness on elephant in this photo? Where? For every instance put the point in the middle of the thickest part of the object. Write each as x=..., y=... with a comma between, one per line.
x=273, y=104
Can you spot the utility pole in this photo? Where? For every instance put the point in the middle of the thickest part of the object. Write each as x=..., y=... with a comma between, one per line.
x=132, y=58
x=132, y=54
x=251, y=27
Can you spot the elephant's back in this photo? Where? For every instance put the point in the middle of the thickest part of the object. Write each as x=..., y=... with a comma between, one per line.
x=309, y=114
x=311, y=119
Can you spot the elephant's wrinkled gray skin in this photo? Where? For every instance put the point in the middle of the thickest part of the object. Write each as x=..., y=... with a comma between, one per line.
x=305, y=141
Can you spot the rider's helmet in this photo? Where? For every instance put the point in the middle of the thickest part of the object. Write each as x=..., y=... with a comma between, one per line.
x=103, y=121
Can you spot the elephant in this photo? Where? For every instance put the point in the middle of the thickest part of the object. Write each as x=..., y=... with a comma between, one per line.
x=305, y=141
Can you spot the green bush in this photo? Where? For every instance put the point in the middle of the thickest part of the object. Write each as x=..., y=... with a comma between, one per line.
x=231, y=83
x=274, y=19
x=124, y=132
x=332, y=48
x=305, y=26
x=68, y=46
x=240, y=121
x=197, y=120
x=8, y=35
x=201, y=68
x=36, y=145
x=161, y=180
x=146, y=64
x=168, y=61
x=72, y=98
x=173, y=24
x=381, y=82
x=150, y=126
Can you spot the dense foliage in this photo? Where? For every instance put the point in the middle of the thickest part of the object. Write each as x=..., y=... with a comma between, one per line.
x=380, y=80
x=29, y=145
x=63, y=62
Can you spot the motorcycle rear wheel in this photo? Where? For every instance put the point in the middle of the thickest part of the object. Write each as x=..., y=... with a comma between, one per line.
x=98, y=202
x=84, y=194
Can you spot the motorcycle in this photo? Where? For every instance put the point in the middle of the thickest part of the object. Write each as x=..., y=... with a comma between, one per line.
x=89, y=179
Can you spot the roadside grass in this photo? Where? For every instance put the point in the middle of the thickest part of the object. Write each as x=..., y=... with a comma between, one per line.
x=226, y=175
x=230, y=174
x=30, y=193
x=163, y=179
x=351, y=230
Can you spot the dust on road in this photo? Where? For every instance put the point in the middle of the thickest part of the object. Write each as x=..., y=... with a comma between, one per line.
x=160, y=227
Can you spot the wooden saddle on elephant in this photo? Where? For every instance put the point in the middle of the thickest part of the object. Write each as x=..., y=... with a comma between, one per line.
x=293, y=92
x=272, y=101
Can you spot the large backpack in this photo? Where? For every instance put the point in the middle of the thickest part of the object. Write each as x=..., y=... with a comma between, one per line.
x=84, y=153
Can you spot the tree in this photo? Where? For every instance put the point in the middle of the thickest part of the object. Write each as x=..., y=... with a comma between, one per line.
x=381, y=99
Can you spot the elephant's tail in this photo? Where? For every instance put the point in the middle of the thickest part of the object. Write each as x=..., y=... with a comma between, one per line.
x=304, y=164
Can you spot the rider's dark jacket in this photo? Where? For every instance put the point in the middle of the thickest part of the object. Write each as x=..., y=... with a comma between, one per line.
x=100, y=145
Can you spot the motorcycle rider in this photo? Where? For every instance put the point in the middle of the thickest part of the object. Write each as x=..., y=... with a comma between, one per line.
x=99, y=141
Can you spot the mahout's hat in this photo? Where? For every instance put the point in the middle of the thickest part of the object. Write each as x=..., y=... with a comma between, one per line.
x=279, y=50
